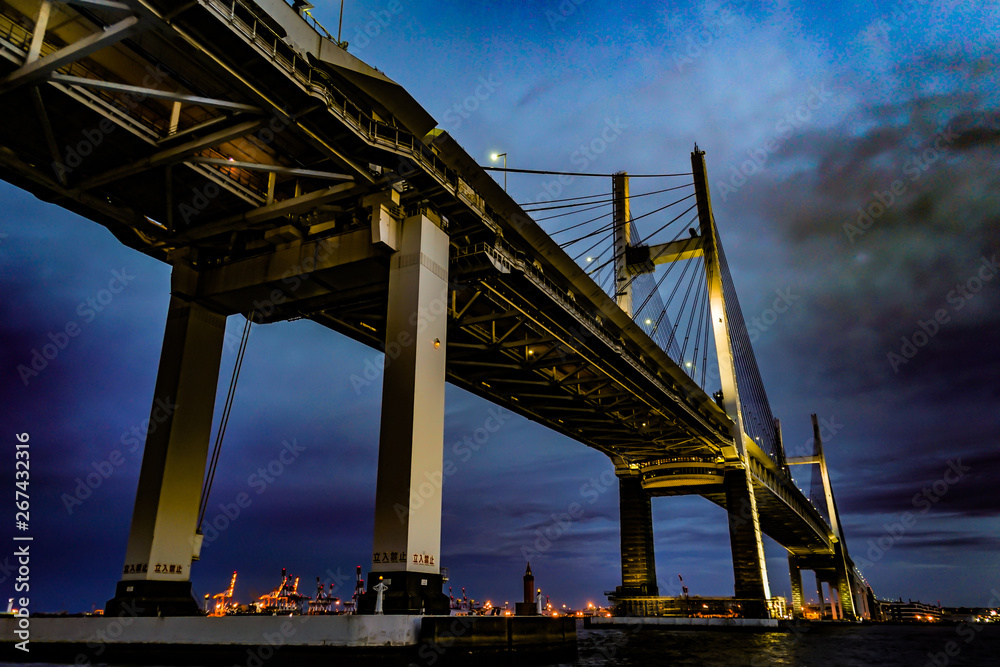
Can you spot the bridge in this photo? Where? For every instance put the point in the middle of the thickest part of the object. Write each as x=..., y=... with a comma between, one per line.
x=282, y=178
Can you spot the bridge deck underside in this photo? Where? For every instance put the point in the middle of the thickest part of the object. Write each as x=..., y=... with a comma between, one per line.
x=519, y=335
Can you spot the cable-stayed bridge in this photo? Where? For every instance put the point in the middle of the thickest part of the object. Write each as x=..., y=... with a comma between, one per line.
x=283, y=178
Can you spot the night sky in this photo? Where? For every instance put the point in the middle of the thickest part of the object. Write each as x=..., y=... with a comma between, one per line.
x=873, y=202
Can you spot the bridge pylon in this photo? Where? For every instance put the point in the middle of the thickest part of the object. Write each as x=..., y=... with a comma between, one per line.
x=745, y=535
x=836, y=569
x=162, y=539
x=622, y=218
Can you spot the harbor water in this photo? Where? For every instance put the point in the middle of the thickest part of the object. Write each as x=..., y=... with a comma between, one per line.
x=817, y=645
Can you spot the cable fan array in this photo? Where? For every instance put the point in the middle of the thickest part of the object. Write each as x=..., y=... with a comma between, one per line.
x=680, y=323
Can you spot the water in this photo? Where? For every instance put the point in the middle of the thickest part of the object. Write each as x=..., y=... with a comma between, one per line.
x=815, y=646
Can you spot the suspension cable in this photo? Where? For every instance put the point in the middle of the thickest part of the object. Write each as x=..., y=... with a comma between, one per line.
x=224, y=421
x=608, y=201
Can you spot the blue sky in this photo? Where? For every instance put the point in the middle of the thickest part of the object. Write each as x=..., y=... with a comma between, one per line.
x=840, y=98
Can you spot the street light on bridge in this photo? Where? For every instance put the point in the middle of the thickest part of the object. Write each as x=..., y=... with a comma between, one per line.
x=497, y=156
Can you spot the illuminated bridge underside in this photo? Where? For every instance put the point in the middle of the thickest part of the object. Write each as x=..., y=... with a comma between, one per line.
x=271, y=180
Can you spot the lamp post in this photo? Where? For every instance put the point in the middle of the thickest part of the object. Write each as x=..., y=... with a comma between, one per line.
x=497, y=156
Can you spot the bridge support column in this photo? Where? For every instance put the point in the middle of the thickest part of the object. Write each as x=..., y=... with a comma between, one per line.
x=844, y=584
x=162, y=541
x=638, y=561
x=745, y=537
x=407, y=545
x=822, y=600
x=795, y=572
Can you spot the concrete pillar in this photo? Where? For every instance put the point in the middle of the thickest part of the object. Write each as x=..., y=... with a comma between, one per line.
x=795, y=573
x=745, y=537
x=819, y=592
x=406, y=551
x=162, y=542
x=844, y=583
x=638, y=561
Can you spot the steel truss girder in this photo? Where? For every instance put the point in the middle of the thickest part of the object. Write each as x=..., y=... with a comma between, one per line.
x=39, y=69
x=171, y=155
x=184, y=98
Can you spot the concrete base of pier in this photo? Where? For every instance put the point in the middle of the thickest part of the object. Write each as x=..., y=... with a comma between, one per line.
x=600, y=622
x=256, y=640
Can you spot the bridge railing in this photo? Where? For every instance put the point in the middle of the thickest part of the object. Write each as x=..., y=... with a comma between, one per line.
x=313, y=23
x=378, y=133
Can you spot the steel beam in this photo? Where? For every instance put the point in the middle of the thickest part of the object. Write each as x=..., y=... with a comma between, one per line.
x=43, y=67
x=271, y=168
x=50, y=137
x=38, y=35
x=479, y=319
x=674, y=251
x=293, y=206
x=141, y=92
x=171, y=155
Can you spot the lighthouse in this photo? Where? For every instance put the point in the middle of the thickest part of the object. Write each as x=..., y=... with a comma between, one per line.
x=527, y=607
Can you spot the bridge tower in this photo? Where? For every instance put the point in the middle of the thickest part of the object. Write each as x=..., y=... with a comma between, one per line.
x=635, y=509
x=835, y=570
x=745, y=535
x=622, y=217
